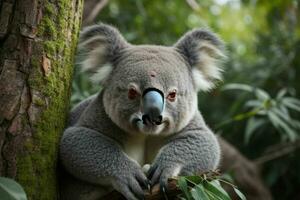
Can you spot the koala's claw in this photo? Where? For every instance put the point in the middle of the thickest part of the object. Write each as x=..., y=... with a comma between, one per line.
x=130, y=189
x=163, y=190
x=142, y=179
x=151, y=171
x=154, y=174
x=132, y=183
x=158, y=174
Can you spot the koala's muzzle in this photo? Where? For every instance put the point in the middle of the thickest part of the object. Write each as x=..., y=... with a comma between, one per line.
x=153, y=105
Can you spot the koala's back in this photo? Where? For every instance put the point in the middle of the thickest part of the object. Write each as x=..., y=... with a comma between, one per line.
x=77, y=111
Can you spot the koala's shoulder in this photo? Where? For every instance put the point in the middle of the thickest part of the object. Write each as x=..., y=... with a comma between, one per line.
x=78, y=110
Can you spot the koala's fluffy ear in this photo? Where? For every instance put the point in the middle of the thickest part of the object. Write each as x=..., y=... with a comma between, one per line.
x=99, y=45
x=204, y=51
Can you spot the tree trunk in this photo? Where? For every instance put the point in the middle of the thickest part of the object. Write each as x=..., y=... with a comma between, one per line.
x=37, y=43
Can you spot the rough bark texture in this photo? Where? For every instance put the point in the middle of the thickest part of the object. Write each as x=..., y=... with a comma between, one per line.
x=37, y=43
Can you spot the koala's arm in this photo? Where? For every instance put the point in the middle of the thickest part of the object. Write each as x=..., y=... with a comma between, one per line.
x=95, y=158
x=194, y=150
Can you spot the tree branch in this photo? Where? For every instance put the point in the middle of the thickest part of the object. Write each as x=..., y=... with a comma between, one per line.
x=278, y=151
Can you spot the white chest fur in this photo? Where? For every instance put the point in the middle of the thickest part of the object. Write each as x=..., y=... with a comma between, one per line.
x=143, y=149
x=135, y=148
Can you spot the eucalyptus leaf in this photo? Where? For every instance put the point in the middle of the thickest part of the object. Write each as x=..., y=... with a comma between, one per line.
x=281, y=93
x=184, y=187
x=239, y=193
x=261, y=94
x=292, y=100
x=198, y=193
x=194, y=179
x=216, y=190
x=254, y=103
x=279, y=124
x=238, y=86
x=11, y=190
x=291, y=103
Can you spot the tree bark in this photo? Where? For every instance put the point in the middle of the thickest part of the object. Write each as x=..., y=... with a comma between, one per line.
x=37, y=43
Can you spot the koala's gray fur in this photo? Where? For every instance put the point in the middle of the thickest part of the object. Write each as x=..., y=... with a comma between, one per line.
x=105, y=147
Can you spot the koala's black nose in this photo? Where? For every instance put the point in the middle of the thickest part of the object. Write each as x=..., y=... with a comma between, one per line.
x=153, y=105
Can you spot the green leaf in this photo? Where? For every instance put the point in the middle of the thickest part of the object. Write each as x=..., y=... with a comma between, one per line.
x=279, y=124
x=184, y=187
x=292, y=100
x=239, y=193
x=261, y=94
x=194, y=179
x=198, y=193
x=291, y=103
x=237, y=86
x=295, y=123
x=286, y=117
x=281, y=114
x=11, y=190
x=252, y=125
x=254, y=103
x=211, y=195
x=284, y=109
x=215, y=188
x=281, y=93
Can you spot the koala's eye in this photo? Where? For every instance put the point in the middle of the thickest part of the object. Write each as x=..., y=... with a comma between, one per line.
x=132, y=93
x=172, y=96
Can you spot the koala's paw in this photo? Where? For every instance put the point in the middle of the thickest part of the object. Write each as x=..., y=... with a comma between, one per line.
x=159, y=173
x=131, y=182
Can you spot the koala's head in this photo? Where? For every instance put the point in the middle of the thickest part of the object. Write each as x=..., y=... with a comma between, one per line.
x=151, y=89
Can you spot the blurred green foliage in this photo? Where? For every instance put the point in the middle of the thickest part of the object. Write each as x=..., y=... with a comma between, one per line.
x=263, y=43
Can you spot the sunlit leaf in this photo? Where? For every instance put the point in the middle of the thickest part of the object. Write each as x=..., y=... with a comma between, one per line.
x=284, y=109
x=279, y=124
x=281, y=93
x=286, y=117
x=292, y=100
x=254, y=103
x=237, y=86
x=292, y=103
x=239, y=193
x=281, y=114
x=261, y=94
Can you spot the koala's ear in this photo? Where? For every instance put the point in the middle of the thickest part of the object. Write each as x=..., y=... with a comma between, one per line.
x=99, y=45
x=204, y=51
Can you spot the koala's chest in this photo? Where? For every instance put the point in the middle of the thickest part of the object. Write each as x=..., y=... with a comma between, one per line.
x=143, y=149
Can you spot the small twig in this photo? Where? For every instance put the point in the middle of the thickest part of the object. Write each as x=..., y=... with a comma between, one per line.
x=193, y=4
x=278, y=151
x=93, y=13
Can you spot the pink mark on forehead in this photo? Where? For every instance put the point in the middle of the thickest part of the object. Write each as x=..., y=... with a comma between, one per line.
x=152, y=73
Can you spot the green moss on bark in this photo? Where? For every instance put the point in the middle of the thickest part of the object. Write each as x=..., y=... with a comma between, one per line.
x=58, y=32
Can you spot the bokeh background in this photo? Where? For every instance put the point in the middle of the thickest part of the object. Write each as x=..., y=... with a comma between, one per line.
x=256, y=108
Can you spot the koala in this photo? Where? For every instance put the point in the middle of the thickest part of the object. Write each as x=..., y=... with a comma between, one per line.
x=145, y=113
